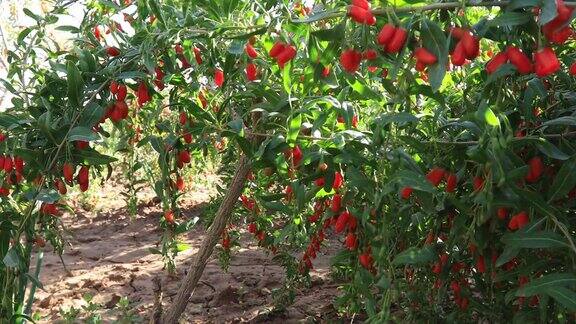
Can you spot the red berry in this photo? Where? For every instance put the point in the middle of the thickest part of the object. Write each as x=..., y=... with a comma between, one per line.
x=458, y=32
x=251, y=72
x=180, y=183
x=478, y=183
x=122, y=91
x=249, y=49
x=370, y=54
x=296, y=154
x=536, y=167
x=197, y=55
x=386, y=34
x=546, y=62
x=121, y=108
x=68, y=171
x=519, y=59
x=480, y=264
x=351, y=241
x=113, y=87
x=397, y=41
x=497, y=61
x=83, y=174
x=451, y=182
x=518, y=221
x=366, y=260
x=361, y=3
x=435, y=176
x=218, y=77
x=361, y=15
x=184, y=156
x=112, y=51
x=471, y=45
x=277, y=49
x=459, y=55
x=573, y=69
x=81, y=144
x=561, y=36
x=502, y=213
x=286, y=55
x=61, y=187
x=169, y=216
x=350, y=60
x=342, y=222
x=336, y=203
x=423, y=55
x=406, y=192
x=183, y=118
x=97, y=33
x=326, y=71
x=142, y=94
x=338, y=180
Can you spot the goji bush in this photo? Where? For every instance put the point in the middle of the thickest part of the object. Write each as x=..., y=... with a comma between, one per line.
x=434, y=140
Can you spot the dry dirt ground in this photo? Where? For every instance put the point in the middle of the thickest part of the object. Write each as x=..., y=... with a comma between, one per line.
x=109, y=258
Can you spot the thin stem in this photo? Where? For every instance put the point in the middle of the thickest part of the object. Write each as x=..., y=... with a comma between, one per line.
x=39, y=258
x=469, y=143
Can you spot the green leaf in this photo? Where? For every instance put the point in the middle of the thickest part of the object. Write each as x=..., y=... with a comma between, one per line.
x=92, y=157
x=75, y=84
x=434, y=40
x=564, y=181
x=91, y=115
x=22, y=35
x=182, y=246
x=12, y=259
x=333, y=34
x=287, y=78
x=68, y=28
x=318, y=16
x=35, y=281
x=535, y=240
x=401, y=118
x=509, y=19
x=517, y=4
x=9, y=86
x=490, y=117
x=507, y=255
x=32, y=15
x=277, y=206
x=294, y=129
x=504, y=70
x=551, y=150
x=237, y=126
x=236, y=47
x=561, y=121
x=82, y=133
x=155, y=8
x=536, y=201
x=47, y=195
x=542, y=284
x=416, y=181
x=564, y=296
x=131, y=75
x=548, y=11
x=415, y=255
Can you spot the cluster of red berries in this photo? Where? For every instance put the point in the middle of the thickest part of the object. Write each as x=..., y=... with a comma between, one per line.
x=13, y=168
x=282, y=53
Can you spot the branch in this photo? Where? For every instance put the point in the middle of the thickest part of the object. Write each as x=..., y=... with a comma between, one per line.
x=198, y=264
x=470, y=143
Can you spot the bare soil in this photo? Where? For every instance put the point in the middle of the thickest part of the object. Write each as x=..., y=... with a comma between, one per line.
x=109, y=258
